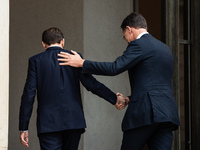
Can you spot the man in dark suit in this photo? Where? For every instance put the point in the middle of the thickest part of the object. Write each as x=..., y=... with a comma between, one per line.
x=60, y=118
x=152, y=113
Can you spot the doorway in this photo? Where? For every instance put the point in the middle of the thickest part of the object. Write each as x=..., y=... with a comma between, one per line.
x=157, y=14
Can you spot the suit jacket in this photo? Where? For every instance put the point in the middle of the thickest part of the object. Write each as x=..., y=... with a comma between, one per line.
x=150, y=67
x=58, y=93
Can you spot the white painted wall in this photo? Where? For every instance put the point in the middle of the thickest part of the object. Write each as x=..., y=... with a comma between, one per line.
x=4, y=73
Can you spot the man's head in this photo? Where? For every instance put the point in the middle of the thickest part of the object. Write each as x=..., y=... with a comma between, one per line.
x=52, y=36
x=133, y=25
x=134, y=20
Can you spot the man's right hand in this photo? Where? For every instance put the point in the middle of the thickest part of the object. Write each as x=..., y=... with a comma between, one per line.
x=24, y=138
x=73, y=60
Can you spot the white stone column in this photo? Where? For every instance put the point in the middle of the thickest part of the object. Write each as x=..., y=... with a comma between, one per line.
x=4, y=73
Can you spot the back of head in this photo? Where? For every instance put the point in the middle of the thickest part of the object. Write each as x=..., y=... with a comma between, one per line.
x=134, y=20
x=52, y=35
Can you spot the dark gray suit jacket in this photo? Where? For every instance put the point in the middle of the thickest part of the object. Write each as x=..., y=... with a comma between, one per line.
x=150, y=67
x=58, y=93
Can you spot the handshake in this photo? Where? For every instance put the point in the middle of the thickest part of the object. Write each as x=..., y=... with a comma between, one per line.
x=122, y=101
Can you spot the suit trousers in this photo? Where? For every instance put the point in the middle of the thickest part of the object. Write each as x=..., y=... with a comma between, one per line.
x=62, y=140
x=157, y=136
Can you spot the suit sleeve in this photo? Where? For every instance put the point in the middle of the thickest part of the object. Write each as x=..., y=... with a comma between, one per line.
x=129, y=59
x=91, y=84
x=28, y=97
x=97, y=88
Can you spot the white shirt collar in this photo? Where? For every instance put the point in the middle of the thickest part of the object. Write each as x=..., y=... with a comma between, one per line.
x=141, y=34
x=54, y=46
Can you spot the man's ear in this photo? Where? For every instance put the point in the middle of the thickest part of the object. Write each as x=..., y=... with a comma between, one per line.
x=44, y=45
x=128, y=28
x=62, y=42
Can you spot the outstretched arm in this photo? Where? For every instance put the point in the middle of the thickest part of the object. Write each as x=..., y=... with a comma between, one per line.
x=131, y=57
x=91, y=84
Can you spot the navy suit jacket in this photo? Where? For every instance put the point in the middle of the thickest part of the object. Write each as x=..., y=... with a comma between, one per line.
x=58, y=93
x=150, y=67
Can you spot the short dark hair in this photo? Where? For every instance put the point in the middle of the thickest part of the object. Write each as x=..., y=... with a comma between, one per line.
x=52, y=35
x=134, y=20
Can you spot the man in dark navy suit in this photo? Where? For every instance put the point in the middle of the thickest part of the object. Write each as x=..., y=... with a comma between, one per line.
x=60, y=117
x=152, y=113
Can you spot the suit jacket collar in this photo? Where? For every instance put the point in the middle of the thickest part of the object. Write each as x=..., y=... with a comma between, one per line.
x=54, y=48
x=141, y=37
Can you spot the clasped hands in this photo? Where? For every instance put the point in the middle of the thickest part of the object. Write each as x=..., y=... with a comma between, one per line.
x=122, y=101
